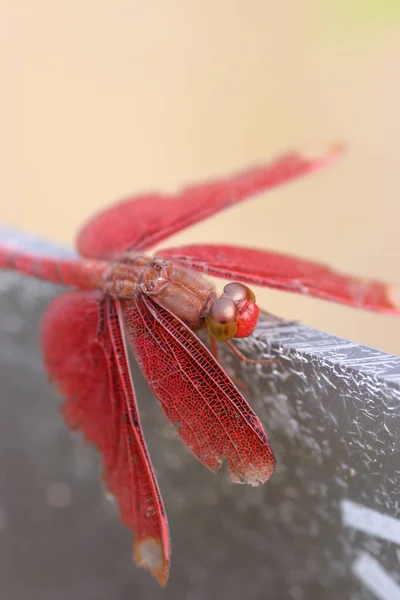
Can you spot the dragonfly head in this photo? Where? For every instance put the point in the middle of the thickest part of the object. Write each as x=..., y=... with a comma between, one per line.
x=234, y=314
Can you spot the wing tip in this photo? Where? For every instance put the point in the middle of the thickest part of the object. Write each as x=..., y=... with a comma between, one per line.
x=324, y=155
x=255, y=475
x=149, y=553
x=393, y=297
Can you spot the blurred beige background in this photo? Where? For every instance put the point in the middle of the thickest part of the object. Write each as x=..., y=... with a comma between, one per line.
x=102, y=99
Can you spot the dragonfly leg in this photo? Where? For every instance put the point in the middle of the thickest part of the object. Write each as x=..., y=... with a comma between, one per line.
x=254, y=361
x=214, y=347
x=236, y=380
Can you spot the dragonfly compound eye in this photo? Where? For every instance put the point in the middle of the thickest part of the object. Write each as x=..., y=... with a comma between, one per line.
x=239, y=293
x=248, y=310
x=222, y=319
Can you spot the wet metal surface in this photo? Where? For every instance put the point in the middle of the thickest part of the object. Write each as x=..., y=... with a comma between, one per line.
x=327, y=519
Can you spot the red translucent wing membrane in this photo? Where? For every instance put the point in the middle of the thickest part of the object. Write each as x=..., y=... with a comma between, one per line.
x=141, y=222
x=197, y=396
x=85, y=355
x=274, y=270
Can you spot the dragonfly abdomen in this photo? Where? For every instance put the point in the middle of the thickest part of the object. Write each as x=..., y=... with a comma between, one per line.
x=85, y=274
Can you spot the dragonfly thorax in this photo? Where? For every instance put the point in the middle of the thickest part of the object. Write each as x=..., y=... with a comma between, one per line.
x=187, y=294
x=183, y=291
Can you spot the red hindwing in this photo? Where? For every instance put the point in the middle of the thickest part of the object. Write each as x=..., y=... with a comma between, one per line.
x=84, y=352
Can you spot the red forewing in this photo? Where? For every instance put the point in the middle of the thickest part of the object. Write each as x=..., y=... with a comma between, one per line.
x=274, y=270
x=85, y=355
x=139, y=223
x=198, y=397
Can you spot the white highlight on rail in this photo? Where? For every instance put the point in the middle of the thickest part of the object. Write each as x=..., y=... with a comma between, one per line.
x=375, y=578
x=370, y=521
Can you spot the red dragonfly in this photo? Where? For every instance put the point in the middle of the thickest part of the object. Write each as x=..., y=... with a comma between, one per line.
x=162, y=303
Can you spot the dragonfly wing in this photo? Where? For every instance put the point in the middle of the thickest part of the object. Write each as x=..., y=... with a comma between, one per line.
x=274, y=270
x=141, y=222
x=196, y=394
x=90, y=369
